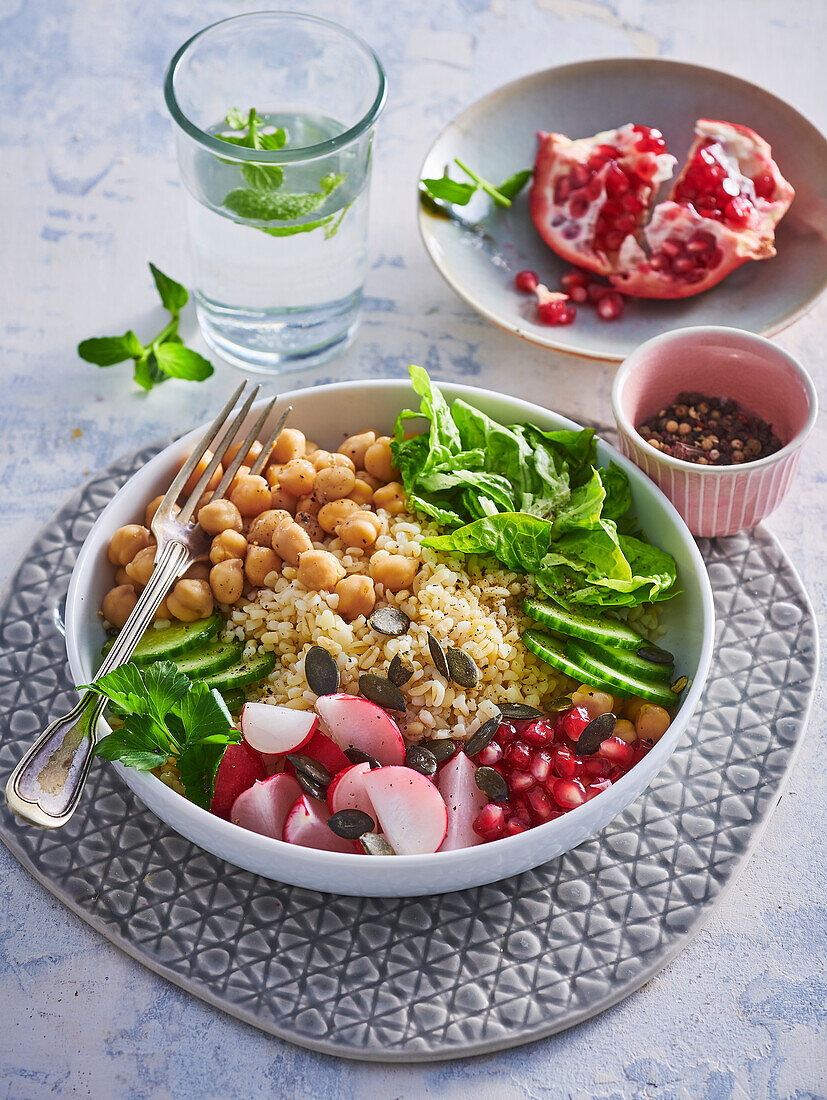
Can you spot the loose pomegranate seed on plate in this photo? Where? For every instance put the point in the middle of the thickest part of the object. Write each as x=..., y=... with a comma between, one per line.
x=556, y=312
x=526, y=281
x=610, y=306
x=519, y=781
x=597, y=787
x=573, y=722
x=538, y=733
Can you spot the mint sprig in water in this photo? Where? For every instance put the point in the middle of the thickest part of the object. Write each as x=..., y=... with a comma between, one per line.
x=164, y=356
x=459, y=193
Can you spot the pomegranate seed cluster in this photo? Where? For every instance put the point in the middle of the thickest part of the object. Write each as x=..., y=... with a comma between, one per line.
x=709, y=431
x=714, y=193
x=545, y=775
x=576, y=286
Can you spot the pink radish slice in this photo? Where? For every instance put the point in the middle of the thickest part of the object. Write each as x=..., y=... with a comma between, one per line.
x=347, y=791
x=412, y=813
x=306, y=824
x=276, y=730
x=272, y=761
x=463, y=799
x=356, y=723
x=324, y=751
x=239, y=769
x=265, y=806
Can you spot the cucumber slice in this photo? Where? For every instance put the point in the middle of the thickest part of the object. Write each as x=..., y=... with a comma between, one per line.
x=234, y=699
x=631, y=663
x=261, y=664
x=166, y=644
x=550, y=650
x=627, y=683
x=209, y=658
x=602, y=632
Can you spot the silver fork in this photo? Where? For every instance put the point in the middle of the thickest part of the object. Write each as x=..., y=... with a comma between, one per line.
x=46, y=786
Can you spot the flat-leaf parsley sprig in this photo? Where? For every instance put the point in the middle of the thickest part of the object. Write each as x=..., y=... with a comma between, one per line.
x=164, y=356
x=165, y=714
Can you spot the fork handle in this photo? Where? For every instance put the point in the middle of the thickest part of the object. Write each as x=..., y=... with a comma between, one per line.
x=45, y=787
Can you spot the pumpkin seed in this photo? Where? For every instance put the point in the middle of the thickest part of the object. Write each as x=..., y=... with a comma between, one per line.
x=351, y=824
x=520, y=712
x=321, y=671
x=441, y=748
x=679, y=685
x=462, y=668
x=558, y=705
x=438, y=656
x=422, y=760
x=656, y=655
x=400, y=670
x=376, y=845
x=381, y=691
x=315, y=790
x=492, y=784
x=317, y=773
x=390, y=620
x=483, y=736
x=356, y=756
x=595, y=733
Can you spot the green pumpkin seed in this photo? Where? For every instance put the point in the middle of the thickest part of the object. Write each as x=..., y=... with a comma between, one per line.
x=356, y=756
x=400, y=670
x=438, y=656
x=679, y=685
x=376, y=845
x=381, y=691
x=483, y=736
x=441, y=748
x=390, y=620
x=321, y=671
x=656, y=655
x=558, y=705
x=420, y=759
x=315, y=790
x=351, y=824
x=492, y=784
x=595, y=734
x=521, y=712
x=462, y=668
x=314, y=771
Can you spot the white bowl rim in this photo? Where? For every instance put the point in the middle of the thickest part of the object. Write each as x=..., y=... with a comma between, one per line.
x=459, y=858
x=630, y=363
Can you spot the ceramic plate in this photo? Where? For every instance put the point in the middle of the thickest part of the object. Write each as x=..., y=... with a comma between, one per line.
x=496, y=136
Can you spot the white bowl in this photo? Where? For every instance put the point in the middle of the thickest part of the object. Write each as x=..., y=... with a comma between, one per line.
x=328, y=414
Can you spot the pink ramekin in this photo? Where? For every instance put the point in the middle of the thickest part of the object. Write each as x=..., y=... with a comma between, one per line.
x=717, y=362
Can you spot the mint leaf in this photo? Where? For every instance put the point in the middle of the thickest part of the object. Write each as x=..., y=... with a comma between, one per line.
x=266, y=206
x=330, y=182
x=173, y=296
x=460, y=194
x=263, y=177
x=292, y=230
x=511, y=187
x=180, y=362
x=147, y=372
x=236, y=119
x=275, y=141
x=105, y=351
x=448, y=190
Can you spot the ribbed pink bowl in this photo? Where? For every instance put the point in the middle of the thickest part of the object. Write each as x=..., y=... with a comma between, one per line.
x=717, y=362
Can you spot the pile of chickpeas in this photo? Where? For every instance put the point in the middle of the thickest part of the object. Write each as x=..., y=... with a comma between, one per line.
x=637, y=720
x=305, y=496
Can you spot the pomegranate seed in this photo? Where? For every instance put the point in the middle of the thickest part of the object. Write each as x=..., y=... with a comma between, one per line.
x=613, y=241
x=596, y=767
x=631, y=204
x=596, y=788
x=514, y=826
x=597, y=290
x=562, y=190
x=526, y=281
x=738, y=211
x=617, y=751
x=578, y=176
x=574, y=721
x=715, y=258
x=556, y=313
x=640, y=748
x=616, y=182
x=578, y=206
x=518, y=756
x=520, y=782
x=594, y=189
x=541, y=765
x=519, y=809
x=764, y=187
x=568, y=793
x=539, y=804
x=565, y=764
x=489, y=756
x=610, y=307
x=616, y=773
x=490, y=821
x=538, y=733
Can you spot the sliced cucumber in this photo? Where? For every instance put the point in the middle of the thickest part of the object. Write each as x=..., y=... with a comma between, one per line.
x=234, y=699
x=602, y=632
x=173, y=640
x=207, y=659
x=627, y=683
x=550, y=649
x=631, y=663
x=238, y=675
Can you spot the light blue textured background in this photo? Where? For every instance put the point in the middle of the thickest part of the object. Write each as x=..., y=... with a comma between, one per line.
x=89, y=193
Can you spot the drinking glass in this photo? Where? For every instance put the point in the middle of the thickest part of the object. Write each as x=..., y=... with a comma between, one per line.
x=274, y=117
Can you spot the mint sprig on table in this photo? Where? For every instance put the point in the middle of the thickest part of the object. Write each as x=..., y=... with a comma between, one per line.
x=164, y=356
x=165, y=714
x=459, y=193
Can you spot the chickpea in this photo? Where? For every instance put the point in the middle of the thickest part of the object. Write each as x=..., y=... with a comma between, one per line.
x=319, y=569
x=262, y=527
x=282, y=501
x=310, y=505
x=121, y=575
x=630, y=708
x=369, y=479
x=290, y=444
x=333, y=483
x=198, y=571
x=161, y=611
x=118, y=603
x=203, y=500
x=361, y=529
x=242, y=471
x=361, y=493
x=227, y=580
x=290, y=540
x=595, y=702
x=625, y=730
x=260, y=562
x=272, y=475
x=204, y=462
x=356, y=596
x=153, y=507
x=310, y=523
x=297, y=477
x=379, y=460
x=394, y=571
x=338, y=459
x=391, y=498
x=252, y=496
x=356, y=445
x=249, y=458
x=227, y=545
x=652, y=722
x=139, y=570
x=220, y=515
x=332, y=514
x=310, y=447
x=127, y=541
x=190, y=600
x=321, y=460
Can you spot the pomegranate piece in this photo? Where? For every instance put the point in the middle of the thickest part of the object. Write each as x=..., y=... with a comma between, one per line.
x=617, y=752
x=263, y=808
x=463, y=800
x=276, y=730
x=489, y=824
x=526, y=281
x=411, y=811
x=239, y=769
x=568, y=793
x=357, y=723
x=306, y=825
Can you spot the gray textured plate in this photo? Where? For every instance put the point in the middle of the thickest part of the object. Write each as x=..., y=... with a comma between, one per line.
x=425, y=978
x=497, y=136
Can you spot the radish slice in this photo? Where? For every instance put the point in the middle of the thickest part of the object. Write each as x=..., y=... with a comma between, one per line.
x=347, y=791
x=265, y=806
x=356, y=723
x=325, y=752
x=412, y=813
x=276, y=730
x=306, y=824
x=463, y=799
x=239, y=769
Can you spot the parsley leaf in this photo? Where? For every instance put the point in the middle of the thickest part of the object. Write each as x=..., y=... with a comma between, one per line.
x=460, y=194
